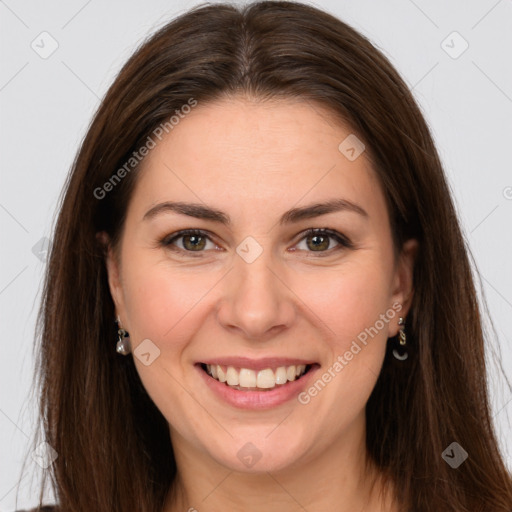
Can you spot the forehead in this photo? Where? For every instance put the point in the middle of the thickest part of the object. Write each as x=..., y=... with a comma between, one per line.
x=259, y=156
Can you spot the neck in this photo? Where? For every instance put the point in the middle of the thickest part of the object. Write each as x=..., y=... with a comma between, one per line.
x=339, y=474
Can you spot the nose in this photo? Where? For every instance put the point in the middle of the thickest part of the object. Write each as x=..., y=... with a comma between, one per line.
x=256, y=300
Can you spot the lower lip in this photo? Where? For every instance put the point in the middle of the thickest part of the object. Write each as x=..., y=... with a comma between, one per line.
x=257, y=399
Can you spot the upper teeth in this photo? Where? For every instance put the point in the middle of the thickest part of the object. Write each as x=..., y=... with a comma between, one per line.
x=247, y=378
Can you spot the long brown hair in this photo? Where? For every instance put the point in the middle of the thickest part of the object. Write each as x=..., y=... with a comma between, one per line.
x=113, y=445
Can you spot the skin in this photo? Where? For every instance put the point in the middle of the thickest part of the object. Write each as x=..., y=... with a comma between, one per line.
x=254, y=161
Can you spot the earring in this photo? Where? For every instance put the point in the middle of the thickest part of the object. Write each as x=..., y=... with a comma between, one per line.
x=400, y=352
x=123, y=341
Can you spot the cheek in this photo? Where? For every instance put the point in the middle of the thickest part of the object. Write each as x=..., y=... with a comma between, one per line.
x=162, y=302
x=163, y=305
x=348, y=299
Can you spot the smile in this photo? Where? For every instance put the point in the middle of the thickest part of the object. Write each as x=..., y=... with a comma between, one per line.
x=246, y=379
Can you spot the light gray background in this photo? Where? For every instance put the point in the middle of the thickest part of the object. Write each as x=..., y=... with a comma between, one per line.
x=46, y=105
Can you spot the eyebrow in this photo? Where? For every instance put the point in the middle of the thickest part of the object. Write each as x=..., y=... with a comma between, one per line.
x=201, y=211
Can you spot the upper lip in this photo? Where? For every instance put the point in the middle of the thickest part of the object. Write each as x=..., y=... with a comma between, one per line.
x=257, y=364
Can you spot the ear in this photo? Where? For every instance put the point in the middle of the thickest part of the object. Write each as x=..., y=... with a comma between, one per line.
x=114, y=274
x=403, y=285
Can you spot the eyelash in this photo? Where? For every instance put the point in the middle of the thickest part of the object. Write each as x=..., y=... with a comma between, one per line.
x=343, y=241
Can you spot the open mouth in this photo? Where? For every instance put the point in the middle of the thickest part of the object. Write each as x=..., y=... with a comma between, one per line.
x=245, y=379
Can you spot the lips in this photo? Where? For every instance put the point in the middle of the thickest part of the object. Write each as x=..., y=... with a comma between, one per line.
x=251, y=396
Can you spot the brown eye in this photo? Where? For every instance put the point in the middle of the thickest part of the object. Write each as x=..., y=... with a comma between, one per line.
x=320, y=241
x=191, y=241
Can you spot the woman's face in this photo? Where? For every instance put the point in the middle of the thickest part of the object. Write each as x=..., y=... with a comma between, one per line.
x=252, y=290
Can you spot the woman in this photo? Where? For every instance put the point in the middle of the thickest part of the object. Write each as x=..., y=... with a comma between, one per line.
x=258, y=296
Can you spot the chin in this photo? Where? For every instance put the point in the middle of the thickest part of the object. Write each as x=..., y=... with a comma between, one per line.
x=257, y=453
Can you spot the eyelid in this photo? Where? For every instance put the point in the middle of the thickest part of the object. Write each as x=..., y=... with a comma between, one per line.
x=342, y=240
